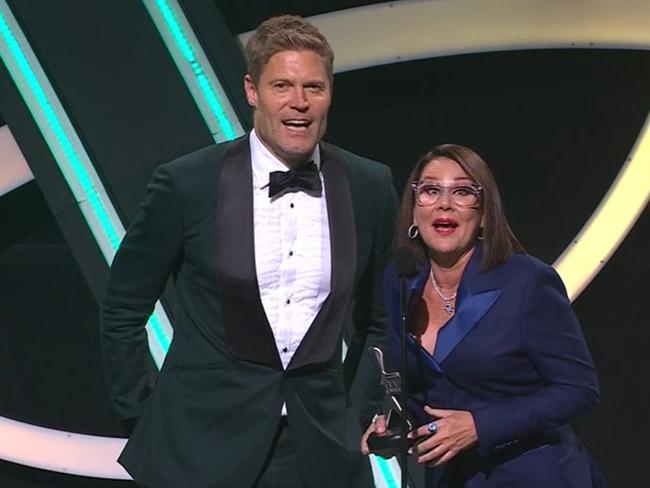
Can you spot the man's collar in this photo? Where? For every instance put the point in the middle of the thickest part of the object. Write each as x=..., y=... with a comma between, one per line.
x=263, y=161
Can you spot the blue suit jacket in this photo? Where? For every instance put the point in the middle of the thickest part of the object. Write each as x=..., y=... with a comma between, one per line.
x=514, y=356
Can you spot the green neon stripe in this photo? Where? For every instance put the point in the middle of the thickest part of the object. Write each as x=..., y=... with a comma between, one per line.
x=386, y=472
x=161, y=337
x=72, y=167
x=104, y=220
x=73, y=160
x=204, y=84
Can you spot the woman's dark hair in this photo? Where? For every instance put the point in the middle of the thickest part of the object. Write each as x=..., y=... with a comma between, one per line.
x=499, y=242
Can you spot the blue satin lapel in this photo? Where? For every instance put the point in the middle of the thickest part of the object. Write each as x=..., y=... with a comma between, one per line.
x=471, y=309
x=423, y=357
x=477, y=293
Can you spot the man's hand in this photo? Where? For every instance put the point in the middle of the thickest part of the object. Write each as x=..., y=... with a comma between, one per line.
x=378, y=427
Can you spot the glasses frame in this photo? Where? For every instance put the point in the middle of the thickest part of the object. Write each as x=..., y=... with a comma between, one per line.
x=477, y=190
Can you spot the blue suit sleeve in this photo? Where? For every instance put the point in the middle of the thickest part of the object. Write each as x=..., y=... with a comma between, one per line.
x=554, y=342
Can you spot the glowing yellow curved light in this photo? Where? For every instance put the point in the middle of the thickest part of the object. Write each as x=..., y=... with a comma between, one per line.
x=392, y=32
x=611, y=221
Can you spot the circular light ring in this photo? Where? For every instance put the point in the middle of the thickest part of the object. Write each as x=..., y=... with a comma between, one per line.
x=394, y=32
x=413, y=29
x=64, y=452
x=611, y=221
x=15, y=170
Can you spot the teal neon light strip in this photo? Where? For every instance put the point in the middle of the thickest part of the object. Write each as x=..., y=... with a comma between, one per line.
x=386, y=471
x=188, y=53
x=159, y=330
x=195, y=69
x=71, y=157
x=58, y=140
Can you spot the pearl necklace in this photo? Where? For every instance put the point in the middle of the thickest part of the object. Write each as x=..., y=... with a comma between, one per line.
x=448, y=306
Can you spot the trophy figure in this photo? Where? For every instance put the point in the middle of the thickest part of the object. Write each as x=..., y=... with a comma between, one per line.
x=391, y=442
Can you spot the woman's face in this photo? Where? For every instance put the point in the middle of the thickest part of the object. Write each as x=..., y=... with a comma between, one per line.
x=449, y=226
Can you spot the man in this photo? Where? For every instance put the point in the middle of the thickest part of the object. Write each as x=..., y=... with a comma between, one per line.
x=276, y=243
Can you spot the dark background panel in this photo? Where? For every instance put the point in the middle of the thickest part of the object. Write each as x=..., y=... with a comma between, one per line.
x=33, y=146
x=223, y=50
x=246, y=15
x=51, y=182
x=51, y=374
x=554, y=125
x=118, y=83
x=614, y=314
x=124, y=96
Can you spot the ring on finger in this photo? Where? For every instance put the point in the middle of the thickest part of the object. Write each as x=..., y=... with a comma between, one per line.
x=432, y=427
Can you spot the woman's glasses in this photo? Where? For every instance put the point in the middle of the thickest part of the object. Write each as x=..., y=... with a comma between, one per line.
x=428, y=193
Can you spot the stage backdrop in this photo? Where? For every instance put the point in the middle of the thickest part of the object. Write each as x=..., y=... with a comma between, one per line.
x=557, y=119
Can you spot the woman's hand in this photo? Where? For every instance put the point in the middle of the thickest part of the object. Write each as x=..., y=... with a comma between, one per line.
x=378, y=427
x=454, y=432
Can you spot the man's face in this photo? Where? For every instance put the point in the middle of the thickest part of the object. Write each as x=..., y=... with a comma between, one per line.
x=291, y=100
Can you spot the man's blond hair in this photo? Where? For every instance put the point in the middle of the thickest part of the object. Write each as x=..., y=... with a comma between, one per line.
x=285, y=33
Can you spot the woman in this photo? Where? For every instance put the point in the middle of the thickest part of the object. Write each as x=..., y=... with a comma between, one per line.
x=497, y=363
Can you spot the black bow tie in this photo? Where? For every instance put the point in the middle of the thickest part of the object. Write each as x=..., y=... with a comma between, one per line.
x=304, y=177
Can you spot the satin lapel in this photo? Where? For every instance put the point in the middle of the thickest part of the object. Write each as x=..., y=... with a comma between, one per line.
x=423, y=357
x=324, y=334
x=247, y=329
x=467, y=316
x=476, y=295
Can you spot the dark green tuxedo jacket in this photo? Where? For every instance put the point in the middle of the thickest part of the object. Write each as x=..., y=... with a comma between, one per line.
x=208, y=418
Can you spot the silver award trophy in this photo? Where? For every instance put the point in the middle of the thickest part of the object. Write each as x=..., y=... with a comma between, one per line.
x=391, y=441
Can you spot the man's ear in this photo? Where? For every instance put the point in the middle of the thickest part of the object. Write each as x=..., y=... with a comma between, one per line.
x=251, y=90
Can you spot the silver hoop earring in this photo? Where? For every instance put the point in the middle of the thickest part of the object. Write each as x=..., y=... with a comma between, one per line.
x=413, y=231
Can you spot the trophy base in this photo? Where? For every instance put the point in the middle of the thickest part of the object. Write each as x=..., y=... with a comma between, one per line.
x=388, y=444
